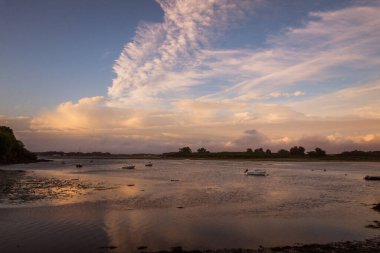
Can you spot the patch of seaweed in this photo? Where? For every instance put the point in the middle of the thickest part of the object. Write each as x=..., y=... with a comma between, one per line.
x=18, y=187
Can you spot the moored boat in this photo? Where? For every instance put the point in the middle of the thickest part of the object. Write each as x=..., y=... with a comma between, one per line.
x=129, y=167
x=374, y=178
x=256, y=172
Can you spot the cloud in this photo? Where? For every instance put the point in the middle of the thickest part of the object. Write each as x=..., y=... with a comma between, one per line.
x=331, y=46
x=317, y=84
x=18, y=123
x=337, y=143
x=170, y=46
x=361, y=100
x=250, y=138
x=286, y=94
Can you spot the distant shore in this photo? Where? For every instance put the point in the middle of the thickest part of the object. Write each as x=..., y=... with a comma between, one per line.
x=203, y=154
x=259, y=159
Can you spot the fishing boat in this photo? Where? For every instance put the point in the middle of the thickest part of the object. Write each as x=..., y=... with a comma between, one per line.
x=129, y=167
x=374, y=178
x=256, y=172
x=149, y=164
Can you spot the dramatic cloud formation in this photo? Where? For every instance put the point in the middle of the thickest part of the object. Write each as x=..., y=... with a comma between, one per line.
x=313, y=85
x=170, y=46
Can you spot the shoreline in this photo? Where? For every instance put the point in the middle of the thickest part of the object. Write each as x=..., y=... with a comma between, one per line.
x=259, y=159
x=26, y=162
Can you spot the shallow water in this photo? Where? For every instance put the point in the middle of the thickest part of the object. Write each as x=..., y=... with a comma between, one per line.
x=194, y=204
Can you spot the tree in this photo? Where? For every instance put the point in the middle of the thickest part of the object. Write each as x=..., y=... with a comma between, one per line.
x=259, y=152
x=13, y=150
x=317, y=153
x=298, y=151
x=202, y=150
x=185, y=150
x=283, y=153
x=249, y=150
x=268, y=152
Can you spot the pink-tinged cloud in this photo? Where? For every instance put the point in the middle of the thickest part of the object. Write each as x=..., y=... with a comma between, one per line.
x=274, y=97
x=171, y=46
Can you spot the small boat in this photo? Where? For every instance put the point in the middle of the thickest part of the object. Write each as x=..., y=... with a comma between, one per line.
x=128, y=167
x=149, y=164
x=374, y=178
x=79, y=165
x=256, y=172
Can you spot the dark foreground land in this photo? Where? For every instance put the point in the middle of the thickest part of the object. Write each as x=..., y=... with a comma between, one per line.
x=367, y=246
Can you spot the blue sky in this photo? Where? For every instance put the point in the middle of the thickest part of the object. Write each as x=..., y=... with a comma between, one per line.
x=54, y=51
x=150, y=76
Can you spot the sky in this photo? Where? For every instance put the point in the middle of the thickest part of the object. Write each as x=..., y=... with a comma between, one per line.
x=153, y=76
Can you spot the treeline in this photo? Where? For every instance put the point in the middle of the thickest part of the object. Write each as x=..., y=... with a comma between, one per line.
x=13, y=150
x=360, y=155
x=295, y=152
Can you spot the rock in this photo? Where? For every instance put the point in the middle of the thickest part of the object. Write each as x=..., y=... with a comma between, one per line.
x=376, y=207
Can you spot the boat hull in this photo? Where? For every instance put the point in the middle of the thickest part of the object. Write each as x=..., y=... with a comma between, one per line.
x=128, y=167
x=255, y=174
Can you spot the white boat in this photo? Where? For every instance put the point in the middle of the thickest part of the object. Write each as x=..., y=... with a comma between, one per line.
x=128, y=167
x=149, y=164
x=256, y=172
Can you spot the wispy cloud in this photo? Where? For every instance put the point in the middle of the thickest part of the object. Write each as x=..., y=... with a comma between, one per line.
x=171, y=46
x=328, y=48
x=317, y=84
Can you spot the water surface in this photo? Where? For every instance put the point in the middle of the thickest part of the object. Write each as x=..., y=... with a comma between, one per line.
x=196, y=204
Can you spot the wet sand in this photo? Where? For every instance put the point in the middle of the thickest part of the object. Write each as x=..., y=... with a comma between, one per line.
x=19, y=186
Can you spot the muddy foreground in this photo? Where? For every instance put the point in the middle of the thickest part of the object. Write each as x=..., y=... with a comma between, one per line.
x=17, y=187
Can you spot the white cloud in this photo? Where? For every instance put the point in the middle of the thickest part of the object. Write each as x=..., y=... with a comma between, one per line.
x=170, y=46
x=172, y=89
x=287, y=94
x=359, y=101
x=332, y=46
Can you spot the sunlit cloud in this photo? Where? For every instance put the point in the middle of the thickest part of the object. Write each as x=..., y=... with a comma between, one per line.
x=171, y=46
x=360, y=101
x=315, y=85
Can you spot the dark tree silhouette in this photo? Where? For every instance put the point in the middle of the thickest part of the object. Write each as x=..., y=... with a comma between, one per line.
x=12, y=150
x=259, y=151
x=317, y=153
x=185, y=150
x=249, y=150
x=298, y=151
x=202, y=150
x=283, y=153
